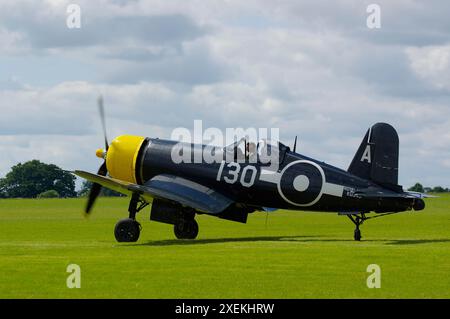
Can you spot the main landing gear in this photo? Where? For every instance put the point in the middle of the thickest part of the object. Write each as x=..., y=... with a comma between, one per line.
x=357, y=220
x=186, y=229
x=128, y=230
x=186, y=226
x=182, y=219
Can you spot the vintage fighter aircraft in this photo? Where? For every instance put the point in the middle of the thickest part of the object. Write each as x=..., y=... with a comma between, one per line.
x=143, y=168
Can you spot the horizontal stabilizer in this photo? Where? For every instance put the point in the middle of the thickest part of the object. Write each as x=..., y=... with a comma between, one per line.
x=420, y=195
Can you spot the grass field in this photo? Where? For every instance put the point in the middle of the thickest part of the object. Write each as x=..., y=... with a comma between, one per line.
x=298, y=255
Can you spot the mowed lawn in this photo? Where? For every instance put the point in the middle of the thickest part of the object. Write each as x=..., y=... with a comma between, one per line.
x=293, y=255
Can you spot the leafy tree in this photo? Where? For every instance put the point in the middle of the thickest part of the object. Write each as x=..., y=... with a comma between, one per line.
x=32, y=178
x=49, y=194
x=439, y=189
x=86, y=187
x=2, y=188
x=417, y=188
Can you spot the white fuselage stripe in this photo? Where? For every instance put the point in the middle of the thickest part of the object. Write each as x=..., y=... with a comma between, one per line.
x=333, y=189
x=269, y=176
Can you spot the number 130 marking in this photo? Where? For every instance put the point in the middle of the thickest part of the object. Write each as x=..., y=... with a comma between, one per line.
x=232, y=175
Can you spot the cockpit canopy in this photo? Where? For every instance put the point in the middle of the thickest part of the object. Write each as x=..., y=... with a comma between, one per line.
x=265, y=151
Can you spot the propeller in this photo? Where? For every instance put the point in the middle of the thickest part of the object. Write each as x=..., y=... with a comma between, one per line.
x=96, y=188
x=102, y=117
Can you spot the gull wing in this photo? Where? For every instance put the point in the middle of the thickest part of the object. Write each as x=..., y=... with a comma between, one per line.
x=168, y=187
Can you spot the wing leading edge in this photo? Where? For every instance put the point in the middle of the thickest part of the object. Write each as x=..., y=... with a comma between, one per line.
x=168, y=187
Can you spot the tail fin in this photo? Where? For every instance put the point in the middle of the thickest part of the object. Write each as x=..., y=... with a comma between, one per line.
x=377, y=157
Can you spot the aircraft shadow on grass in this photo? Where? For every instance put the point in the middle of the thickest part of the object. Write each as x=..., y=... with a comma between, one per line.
x=299, y=239
x=418, y=241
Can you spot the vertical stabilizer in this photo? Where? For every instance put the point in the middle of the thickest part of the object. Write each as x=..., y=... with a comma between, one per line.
x=377, y=156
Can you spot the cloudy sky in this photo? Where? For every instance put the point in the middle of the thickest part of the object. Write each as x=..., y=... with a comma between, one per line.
x=310, y=68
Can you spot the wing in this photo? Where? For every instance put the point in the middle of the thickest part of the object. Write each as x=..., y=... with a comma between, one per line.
x=169, y=187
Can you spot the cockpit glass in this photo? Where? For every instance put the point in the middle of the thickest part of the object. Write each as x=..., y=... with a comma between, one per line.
x=264, y=151
x=242, y=150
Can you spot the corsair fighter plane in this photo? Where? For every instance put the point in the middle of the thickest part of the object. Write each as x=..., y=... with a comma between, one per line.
x=143, y=168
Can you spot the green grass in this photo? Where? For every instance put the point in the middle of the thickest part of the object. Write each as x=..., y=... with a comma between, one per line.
x=298, y=255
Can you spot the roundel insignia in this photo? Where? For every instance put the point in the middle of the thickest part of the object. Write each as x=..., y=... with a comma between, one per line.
x=301, y=183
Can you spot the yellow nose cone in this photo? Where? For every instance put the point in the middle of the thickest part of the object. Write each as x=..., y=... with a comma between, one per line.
x=100, y=153
x=122, y=156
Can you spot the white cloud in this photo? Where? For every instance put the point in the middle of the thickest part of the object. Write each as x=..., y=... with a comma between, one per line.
x=432, y=63
x=12, y=42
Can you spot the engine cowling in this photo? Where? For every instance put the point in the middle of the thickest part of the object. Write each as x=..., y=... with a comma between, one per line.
x=122, y=156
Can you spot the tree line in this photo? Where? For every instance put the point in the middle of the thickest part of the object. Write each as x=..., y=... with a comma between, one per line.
x=34, y=179
x=421, y=189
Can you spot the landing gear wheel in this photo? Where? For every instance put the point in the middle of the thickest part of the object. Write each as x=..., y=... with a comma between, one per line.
x=127, y=230
x=187, y=229
x=358, y=220
x=357, y=235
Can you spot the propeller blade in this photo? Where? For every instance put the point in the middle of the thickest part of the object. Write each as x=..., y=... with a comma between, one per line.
x=103, y=170
x=95, y=189
x=102, y=117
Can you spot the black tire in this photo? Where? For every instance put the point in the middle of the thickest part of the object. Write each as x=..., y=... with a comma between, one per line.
x=419, y=204
x=357, y=235
x=127, y=231
x=186, y=229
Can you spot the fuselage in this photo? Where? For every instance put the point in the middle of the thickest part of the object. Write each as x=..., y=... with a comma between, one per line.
x=296, y=182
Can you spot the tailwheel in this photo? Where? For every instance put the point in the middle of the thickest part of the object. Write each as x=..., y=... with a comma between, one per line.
x=186, y=229
x=357, y=235
x=127, y=230
x=357, y=220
